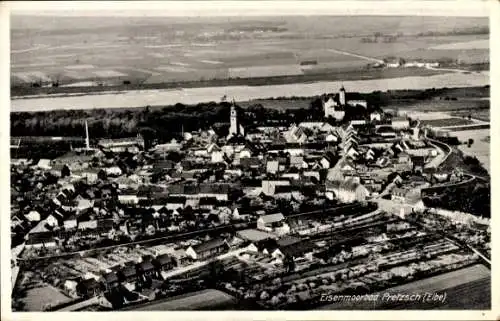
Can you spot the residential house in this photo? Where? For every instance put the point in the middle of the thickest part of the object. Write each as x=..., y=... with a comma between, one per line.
x=128, y=199
x=376, y=116
x=207, y=249
x=346, y=191
x=398, y=194
x=87, y=225
x=175, y=202
x=54, y=219
x=88, y=288
x=113, y=171
x=163, y=263
x=110, y=280
x=269, y=185
x=44, y=164
x=418, y=163
x=146, y=267
x=207, y=203
x=272, y=166
x=33, y=216
x=273, y=223
x=329, y=160
x=295, y=251
x=70, y=222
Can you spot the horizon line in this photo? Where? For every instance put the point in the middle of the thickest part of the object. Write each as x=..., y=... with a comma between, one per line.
x=460, y=8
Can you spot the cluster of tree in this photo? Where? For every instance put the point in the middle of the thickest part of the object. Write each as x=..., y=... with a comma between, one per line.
x=469, y=198
x=478, y=30
x=163, y=124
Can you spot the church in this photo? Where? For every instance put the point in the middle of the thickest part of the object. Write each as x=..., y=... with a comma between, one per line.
x=335, y=106
x=235, y=128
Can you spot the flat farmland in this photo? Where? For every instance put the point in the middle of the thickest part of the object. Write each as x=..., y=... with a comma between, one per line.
x=202, y=300
x=158, y=50
x=462, y=105
x=445, y=122
x=481, y=146
x=483, y=115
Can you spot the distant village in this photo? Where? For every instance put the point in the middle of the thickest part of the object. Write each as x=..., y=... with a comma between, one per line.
x=263, y=203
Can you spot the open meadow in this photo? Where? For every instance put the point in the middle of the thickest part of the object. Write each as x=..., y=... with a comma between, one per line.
x=83, y=51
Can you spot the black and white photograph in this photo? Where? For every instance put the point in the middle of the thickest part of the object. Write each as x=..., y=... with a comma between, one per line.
x=260, y=156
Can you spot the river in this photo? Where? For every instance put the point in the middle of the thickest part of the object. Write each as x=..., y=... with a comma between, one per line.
x=163, y=97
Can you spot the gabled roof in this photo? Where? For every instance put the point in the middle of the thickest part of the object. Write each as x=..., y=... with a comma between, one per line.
x=272, y=218
x=346, y=185
x=210, y=245
x=164, y=259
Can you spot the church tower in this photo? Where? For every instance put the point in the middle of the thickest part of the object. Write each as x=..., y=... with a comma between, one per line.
x=233, y=129
x=342, y=96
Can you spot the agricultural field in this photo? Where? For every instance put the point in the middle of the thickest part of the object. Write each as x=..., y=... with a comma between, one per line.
x=483, y=115
x=202, y=300
x=481, y=146
x=445, y=122
x=155, y=50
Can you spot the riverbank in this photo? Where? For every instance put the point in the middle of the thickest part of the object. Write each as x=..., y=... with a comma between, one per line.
x=142, y=98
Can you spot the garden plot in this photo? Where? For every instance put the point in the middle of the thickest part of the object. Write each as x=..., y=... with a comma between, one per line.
x=446, y=122
x=37, y=298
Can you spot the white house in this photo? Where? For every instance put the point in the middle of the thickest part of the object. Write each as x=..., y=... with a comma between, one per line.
x=346, y=191
x=375, y=116
x=269, y=186
x=217, y=156
x=51, y=220
x=128, y=199
x=113, y=171
x=70, y=223
x=274, y=223
x=33, y=216
x=44, y=164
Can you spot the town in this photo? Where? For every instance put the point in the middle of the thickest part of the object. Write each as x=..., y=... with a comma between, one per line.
x=259, y=216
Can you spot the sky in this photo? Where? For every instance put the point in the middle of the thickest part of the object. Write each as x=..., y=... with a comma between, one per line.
x=466, y=8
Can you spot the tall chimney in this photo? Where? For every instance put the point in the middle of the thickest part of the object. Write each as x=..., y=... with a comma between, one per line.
x=87, y=138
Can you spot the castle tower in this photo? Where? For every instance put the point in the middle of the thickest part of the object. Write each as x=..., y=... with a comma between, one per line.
x=342, y=96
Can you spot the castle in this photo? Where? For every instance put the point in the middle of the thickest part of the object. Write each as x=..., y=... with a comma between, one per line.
x=336, y=106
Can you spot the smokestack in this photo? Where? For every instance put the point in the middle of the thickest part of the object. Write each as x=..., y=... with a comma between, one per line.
x=87, y=138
